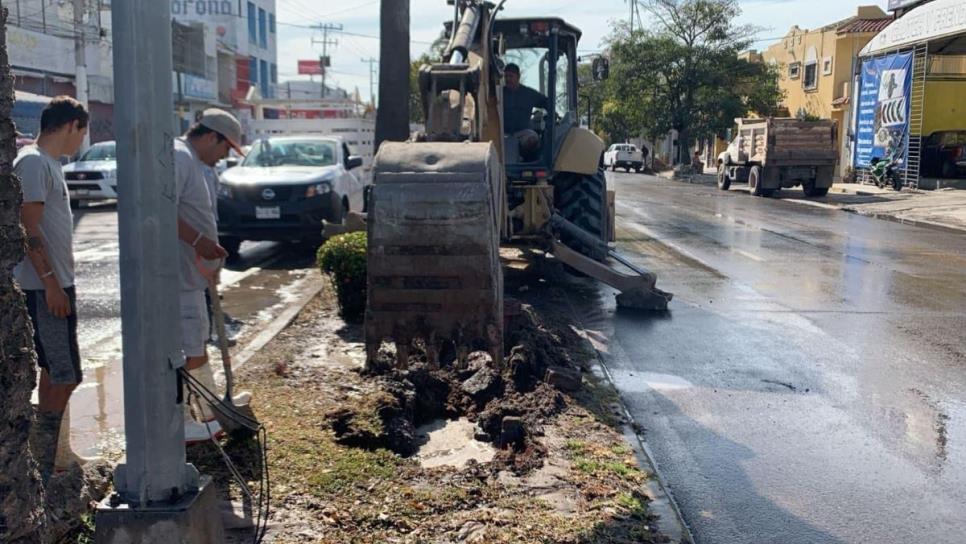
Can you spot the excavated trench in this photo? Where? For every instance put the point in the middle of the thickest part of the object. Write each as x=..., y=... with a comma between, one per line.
x=508, y=406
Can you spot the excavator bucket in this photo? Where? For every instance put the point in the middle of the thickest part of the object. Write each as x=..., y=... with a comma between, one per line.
x=434, y=237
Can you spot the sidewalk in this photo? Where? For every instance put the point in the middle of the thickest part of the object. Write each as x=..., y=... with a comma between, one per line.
x=943, y=209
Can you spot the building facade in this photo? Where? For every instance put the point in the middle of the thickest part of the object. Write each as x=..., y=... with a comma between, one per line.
x=241, y=49
x=42, y=50
x=913, y=79
x=816, y=69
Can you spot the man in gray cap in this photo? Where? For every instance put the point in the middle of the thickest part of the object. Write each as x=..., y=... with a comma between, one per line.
x=206, y=142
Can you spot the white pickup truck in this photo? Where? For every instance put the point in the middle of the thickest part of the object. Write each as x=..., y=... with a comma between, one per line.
x=624, y=156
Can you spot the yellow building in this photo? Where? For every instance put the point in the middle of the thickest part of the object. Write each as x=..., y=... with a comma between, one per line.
x=817, y=66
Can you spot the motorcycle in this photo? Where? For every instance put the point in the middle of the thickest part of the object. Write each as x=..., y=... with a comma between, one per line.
x=885, y=172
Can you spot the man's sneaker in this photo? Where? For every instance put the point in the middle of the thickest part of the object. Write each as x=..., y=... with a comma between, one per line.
x=241, y=399
x=195, y=432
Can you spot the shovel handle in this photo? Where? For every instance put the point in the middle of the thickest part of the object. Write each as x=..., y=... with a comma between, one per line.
x=219, y=317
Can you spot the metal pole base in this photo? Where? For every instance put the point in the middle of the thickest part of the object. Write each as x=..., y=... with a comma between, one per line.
x=194, y=519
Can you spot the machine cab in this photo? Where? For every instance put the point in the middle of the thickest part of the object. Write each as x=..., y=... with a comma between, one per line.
x=539, y=112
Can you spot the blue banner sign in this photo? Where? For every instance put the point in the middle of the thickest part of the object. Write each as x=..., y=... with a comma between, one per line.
x=882, y=120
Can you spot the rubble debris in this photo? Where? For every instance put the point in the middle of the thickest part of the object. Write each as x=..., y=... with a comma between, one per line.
x=508, y=405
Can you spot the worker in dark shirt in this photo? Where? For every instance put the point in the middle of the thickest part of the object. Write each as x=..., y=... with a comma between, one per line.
x=519, y=101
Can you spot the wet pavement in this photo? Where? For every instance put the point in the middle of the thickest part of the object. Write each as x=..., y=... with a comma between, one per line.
x=255, y=289
x=809, y=383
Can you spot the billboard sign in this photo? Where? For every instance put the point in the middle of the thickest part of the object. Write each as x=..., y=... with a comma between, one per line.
x=882, y=127
x=310, y=67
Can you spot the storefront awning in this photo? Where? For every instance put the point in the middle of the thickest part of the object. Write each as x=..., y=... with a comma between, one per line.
x=939, y=19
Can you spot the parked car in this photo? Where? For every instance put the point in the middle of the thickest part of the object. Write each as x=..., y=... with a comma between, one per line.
x=94, y=175
x=285, y=187
x=624, y=156
x=944, y=154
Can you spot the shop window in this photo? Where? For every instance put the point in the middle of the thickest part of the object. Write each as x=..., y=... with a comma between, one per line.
x=794, y=70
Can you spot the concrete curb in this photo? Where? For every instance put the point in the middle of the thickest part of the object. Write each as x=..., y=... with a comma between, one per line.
x=885, y=217
x=911, y=222
x=670, y=521
x=278, y=324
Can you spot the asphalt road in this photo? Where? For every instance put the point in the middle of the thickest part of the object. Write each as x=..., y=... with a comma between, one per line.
x=255, y=289
x=808, y=384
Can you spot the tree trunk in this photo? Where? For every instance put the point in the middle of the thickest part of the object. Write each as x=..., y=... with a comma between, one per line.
x=22, y=513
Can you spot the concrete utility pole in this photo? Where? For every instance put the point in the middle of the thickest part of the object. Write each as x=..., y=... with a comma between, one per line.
x=392, y=117
x=159, y=497
x=324, y=61
x=80, y=58
x=372, y=79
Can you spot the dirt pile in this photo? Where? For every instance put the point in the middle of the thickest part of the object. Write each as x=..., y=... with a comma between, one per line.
x=509, y=405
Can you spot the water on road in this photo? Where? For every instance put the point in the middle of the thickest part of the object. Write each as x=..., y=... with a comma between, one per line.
x=808, y=384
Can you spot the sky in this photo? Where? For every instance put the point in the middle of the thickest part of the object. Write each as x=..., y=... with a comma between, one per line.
x=360, y=23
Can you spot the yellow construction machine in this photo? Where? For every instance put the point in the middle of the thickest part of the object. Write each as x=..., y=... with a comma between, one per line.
x=443, y=203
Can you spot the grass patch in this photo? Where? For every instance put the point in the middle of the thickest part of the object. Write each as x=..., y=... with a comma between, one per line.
x=597, y=460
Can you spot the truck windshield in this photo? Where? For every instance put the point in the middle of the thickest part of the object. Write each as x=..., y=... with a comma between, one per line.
x=266, y=153
x=534, y=73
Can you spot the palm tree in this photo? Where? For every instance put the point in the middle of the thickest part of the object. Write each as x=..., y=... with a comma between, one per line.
x=22, y=513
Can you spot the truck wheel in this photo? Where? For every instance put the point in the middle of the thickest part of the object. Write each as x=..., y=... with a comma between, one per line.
x=582, y=200
x=754, y=181
x=811, y=190
x=724, y=182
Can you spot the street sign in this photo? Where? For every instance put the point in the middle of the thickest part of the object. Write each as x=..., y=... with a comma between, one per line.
x=310, y=67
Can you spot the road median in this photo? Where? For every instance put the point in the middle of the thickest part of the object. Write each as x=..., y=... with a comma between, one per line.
x=531, y=452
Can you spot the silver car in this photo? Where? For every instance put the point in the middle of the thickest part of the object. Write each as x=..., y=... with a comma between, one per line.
x=94, y=175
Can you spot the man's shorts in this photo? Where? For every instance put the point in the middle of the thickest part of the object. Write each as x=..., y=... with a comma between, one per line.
x=55, y=339
x=194, y=323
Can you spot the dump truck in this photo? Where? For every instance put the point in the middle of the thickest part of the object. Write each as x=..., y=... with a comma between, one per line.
x=774, y=153
x=442, y=204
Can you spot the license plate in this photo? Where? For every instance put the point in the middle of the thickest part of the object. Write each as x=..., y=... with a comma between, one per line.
x=268, y=213
x=80, y=192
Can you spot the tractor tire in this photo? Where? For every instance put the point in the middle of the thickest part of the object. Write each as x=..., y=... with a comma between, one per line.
x=582, y=200
x=724, y=182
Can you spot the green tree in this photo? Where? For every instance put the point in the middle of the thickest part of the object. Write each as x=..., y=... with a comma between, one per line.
x=685, y=73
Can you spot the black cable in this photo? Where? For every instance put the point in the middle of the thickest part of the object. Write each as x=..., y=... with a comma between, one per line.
x=263, y=503
x=264, y=496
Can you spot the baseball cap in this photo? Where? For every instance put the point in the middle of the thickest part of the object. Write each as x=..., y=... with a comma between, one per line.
x=225, y=124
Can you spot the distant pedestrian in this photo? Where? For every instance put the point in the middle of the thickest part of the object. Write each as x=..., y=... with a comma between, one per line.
x=206, y=142
x=46, y=275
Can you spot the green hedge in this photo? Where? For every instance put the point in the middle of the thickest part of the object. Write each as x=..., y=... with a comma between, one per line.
x=343, y=258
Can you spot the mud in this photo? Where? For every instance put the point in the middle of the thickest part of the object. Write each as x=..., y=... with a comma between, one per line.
x=509, y=405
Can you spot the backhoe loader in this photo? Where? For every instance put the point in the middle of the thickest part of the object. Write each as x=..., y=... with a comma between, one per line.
x=443, y=203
